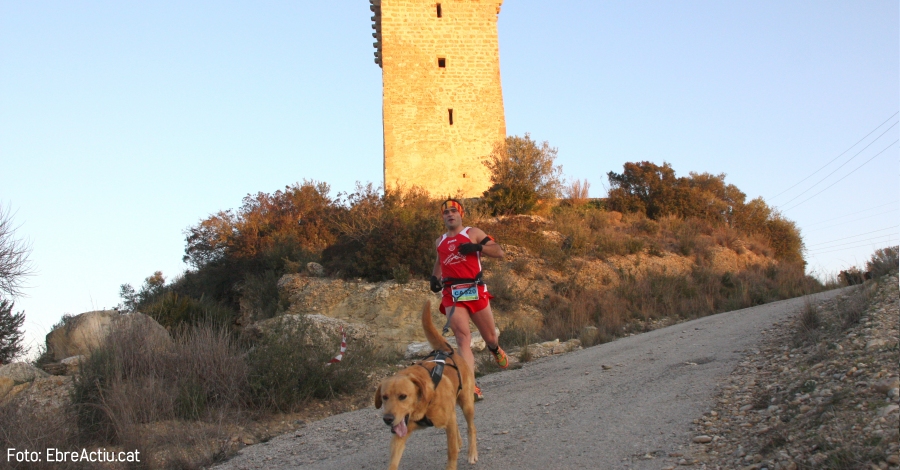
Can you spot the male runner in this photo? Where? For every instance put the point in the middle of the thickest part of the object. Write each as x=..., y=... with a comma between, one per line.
x=457, y=272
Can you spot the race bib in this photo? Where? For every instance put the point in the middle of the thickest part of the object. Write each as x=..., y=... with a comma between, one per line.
x=464, y=292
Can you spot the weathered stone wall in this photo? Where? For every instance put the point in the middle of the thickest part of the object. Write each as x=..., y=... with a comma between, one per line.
x=421, y=146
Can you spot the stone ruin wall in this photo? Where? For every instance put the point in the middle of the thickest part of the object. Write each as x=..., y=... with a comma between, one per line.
x=421, y=146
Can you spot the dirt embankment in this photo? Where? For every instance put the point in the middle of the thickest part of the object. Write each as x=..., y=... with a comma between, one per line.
x=820, y=393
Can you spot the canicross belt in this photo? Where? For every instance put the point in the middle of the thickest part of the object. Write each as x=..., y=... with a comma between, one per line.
x=450, y=282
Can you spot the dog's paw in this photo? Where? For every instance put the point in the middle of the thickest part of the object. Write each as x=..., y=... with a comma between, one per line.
x=473, y=457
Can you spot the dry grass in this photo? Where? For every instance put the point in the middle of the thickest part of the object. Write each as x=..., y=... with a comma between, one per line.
x=884, y=261
x=22, y=428
x=179, y=401
x=852, y=307
x=577, y=192
x=809, y=330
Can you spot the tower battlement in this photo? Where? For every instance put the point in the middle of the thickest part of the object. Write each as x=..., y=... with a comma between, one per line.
x=442, y=101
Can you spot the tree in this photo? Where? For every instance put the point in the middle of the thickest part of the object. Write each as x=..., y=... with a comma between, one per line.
x=522, y=172
x=10, y=333
x=14, y=267
x=14, y=264
x=644, y=187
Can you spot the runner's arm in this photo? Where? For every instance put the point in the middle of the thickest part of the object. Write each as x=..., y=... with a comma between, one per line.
x=491, y=248
x=436, y=272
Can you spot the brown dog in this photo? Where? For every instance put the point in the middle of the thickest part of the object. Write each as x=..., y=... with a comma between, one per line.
x=412, y=401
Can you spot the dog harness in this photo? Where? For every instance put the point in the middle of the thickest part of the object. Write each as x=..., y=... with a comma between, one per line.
x=436, y=373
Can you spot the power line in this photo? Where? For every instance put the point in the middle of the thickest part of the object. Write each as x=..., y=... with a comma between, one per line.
x=847, y=248
x=842, y=164
x=849, y=221
x=839, y=156
x=888, y=236
x=842, y=178
x=854, y=236
x=853, y=213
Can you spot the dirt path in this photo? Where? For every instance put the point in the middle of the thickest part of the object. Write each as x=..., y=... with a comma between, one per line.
x=624, y=404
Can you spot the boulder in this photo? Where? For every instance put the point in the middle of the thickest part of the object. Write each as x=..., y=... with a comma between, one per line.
x=49, y=395
x=389, y=313
x=548, y=348
x=67, y=366
x=886, y=385
x=6, y=384
x=21, y=372
x=154, y=334
x=319, y=323
x=81, y=334
x=315, y=269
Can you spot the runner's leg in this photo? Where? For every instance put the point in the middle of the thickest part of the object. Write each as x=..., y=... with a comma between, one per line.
x=459, y=323
x=484, y=321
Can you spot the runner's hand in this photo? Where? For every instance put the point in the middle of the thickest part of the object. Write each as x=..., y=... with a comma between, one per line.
x=467, y=248
x=436, y=284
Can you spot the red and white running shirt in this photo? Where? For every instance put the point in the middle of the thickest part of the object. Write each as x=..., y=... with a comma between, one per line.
x=454, y=264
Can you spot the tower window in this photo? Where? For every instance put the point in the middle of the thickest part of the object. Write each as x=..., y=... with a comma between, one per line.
x=438, y=10
x=450, y=113
x=442, y=62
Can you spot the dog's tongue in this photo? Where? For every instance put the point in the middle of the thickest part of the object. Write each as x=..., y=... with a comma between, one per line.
x=400, y=429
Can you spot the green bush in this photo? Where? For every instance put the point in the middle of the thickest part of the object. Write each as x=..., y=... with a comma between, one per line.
x=381, y=233
x=655, y=191
x=10, y=332
x=172, y=310
x=289, y=365
x=522, y=172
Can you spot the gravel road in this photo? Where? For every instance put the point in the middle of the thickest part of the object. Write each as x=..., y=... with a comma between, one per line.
x=624, y=404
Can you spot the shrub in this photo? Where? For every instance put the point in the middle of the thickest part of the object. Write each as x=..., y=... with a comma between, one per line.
x=298, y=217
x=502, y=288
x=10, y=332
x=655, y=191
x=810, y=321
x=851, y=308
x=884, y=261
x=172, y=310
x=132, y=380
x=260, y=296
x=401, y=273
x=22, y=428
x=289, y=365
x=381, y=233
x=577, y=192
x=522, y=172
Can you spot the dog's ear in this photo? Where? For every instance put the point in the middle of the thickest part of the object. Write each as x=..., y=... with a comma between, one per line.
x=424, y=391
x=378, y=397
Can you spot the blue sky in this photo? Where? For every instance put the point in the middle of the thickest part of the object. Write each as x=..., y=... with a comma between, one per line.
x=122, y=124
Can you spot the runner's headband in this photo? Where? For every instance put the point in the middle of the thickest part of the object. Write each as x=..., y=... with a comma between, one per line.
x=451, y=203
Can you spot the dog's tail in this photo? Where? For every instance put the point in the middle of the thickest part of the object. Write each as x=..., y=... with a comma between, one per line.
x=434, y=337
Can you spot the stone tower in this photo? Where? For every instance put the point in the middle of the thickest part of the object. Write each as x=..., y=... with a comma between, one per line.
x=443, y=107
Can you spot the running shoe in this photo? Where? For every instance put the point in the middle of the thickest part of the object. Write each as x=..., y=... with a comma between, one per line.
x=501, y=358
x=478, y=395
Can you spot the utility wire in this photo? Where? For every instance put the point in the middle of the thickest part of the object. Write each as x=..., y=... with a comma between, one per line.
x=842, y=164
x=854, y=236
x=853, y=213
x=889, y=235
x=848, y=248
x=850, y=221
x=835, y=158
x=842, y=178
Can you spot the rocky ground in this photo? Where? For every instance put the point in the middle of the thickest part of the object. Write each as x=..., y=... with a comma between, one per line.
x=820, y=393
